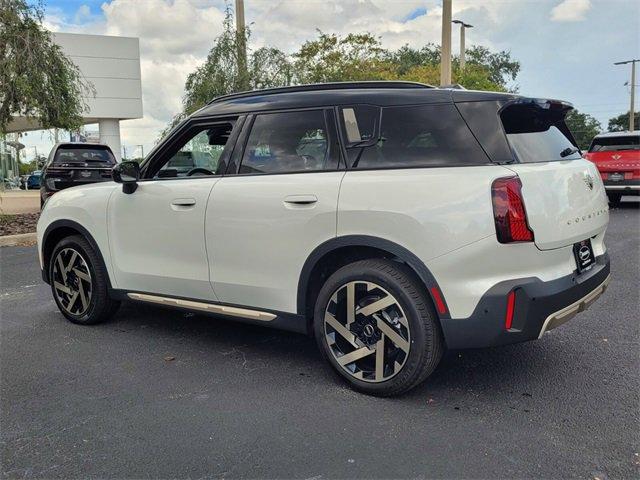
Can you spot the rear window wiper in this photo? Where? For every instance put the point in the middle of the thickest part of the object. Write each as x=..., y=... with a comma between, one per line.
x=569, y=151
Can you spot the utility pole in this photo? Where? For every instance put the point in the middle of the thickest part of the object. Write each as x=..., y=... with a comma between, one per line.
x=241, y=41
x=633, y=91
x=463, y=27
x=445, y=49
x=141, y=150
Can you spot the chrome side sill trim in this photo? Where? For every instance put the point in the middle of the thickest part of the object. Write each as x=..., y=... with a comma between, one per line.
x=561, y=316
x=204, y=307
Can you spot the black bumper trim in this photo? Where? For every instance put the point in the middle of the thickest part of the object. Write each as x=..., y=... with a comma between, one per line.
x=535, y=301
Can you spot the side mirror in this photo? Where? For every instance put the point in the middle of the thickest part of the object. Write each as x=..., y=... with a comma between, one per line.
x=128, y=174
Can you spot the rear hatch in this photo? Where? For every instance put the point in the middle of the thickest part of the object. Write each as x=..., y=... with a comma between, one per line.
x=563, y=194
x=75, y=165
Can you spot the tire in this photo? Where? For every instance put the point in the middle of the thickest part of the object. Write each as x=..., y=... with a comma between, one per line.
x=79, y=282
x=614, y=199
x=405, y=328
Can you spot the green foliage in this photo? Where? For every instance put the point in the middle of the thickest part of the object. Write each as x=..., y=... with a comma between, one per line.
x=621, y=122
x=333, y=58
x=221, y=73
x=583, y=127
x=500, y=67
x=36, y=78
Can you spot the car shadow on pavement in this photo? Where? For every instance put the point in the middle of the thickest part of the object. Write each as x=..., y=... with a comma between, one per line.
x=470, y=372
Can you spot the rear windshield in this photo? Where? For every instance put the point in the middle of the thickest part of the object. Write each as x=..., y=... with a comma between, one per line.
x=72, y=154
x=537, y=133
x=409, y=137
x=612, y=144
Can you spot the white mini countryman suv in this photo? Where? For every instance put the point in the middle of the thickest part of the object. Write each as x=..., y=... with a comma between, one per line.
x=389, y=220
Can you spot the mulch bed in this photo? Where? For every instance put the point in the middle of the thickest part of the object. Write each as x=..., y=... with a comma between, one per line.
x=21, y=223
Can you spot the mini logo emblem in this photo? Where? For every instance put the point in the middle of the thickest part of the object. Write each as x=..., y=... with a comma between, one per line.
x=615, y=157
x=588, y=180
x=584, y=253
x=368, y=330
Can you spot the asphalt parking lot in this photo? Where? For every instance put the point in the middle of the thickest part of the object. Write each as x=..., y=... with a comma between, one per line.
x=157, y=393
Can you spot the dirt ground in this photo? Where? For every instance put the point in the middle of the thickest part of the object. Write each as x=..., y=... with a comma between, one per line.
x=20, y=223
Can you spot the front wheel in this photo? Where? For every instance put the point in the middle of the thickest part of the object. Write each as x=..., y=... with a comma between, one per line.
x=377, y=328
x=79, y=282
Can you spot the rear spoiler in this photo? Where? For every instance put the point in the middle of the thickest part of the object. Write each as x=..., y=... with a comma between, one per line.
x=546, y=112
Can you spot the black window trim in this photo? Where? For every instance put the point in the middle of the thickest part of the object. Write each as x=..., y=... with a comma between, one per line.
x=233, y=170
x=178, y=138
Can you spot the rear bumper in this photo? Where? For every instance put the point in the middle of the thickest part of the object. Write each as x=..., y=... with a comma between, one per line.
x=623, y=186
x=539, y=307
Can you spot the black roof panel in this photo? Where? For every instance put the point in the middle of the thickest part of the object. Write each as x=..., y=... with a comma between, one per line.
x=382, y=93
x=304, y=96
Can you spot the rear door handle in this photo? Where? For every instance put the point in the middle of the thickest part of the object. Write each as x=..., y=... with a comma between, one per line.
x=183, y=203
x=300, y=200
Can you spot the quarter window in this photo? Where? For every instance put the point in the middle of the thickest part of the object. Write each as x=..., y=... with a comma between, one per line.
x=288, y=142
x=418, y=136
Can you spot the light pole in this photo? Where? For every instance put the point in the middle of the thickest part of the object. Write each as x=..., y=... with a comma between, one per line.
x=633, y=91
x=445, y=50
x=141, y=150
x=463, y=27
x=241, y=41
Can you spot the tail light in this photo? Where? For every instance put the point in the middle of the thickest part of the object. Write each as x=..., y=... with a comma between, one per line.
x=508, y=211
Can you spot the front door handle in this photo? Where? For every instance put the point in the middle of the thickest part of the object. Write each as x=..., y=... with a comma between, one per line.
x=183, y=203
x=300, y=200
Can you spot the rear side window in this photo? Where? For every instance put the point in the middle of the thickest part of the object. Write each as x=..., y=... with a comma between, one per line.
x=83, y=154
x=288, y=142
x=538, y=133
x=416, y=136
x=617, y=143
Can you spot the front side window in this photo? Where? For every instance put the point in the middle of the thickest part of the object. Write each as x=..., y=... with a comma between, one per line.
x=199, y=155
x=418, y=136
x=288, y=142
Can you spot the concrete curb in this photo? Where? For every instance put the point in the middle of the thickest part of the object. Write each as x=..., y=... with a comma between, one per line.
x=11, y=240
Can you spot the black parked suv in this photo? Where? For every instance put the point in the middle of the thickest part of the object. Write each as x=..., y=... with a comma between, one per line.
x=71, y=164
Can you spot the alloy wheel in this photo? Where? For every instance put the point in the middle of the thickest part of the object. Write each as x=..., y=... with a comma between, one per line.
x=72, y=281
x=367, y=331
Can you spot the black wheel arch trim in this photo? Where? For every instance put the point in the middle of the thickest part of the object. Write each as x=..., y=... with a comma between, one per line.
x=55, y=225
x=392, y=248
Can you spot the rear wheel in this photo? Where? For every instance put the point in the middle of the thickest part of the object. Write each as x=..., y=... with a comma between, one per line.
x=79, y=282
x=614, y=199
x=377, y=328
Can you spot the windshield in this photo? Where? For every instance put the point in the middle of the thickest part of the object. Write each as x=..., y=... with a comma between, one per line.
x=83, y=154
x=614, y=144
x=538, y=134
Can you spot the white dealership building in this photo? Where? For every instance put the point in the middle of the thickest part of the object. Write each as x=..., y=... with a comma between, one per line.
x=112, y=66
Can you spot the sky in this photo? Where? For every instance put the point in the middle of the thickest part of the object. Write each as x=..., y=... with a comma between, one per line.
x=566, y=47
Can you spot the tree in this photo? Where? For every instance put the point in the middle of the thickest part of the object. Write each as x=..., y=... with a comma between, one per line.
x=330, y=58
x=583, y=127
x=220, y=74
x=621, y=122
x=36, y=78
x=334, y=58
x=501, y=68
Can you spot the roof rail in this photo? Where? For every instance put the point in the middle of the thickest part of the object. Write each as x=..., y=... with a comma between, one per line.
x=322, y=86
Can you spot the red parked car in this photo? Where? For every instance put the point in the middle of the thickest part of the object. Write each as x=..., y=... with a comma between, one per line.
x=617, y=156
